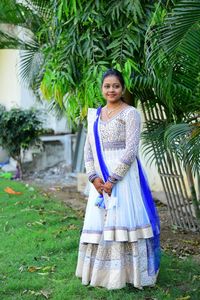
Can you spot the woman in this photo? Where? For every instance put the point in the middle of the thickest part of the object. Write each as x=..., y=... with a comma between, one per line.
x=120, y=238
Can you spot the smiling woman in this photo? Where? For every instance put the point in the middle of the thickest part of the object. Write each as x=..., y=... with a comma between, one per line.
x=112, y=91
x=120, y=238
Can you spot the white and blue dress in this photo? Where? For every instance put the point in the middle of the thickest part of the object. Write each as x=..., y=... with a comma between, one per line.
x=119, y=243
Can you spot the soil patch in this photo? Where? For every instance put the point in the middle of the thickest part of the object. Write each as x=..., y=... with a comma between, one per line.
x=173, y=240
x=179, y=242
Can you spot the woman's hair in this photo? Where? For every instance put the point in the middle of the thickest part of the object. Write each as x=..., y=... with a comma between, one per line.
x=114, y=72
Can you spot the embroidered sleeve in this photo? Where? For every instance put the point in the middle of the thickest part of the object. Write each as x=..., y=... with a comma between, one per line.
x=89, y=161
x=133, y=126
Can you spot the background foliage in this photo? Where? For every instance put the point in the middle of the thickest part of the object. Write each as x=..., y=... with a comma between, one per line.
x=70, y=43
x=20, y=129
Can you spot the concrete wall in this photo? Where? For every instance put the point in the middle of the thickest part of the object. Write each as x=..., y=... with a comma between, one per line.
x=9, y=86
x=14, y=94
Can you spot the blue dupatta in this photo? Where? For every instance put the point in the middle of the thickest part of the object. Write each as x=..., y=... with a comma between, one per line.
x=153, y=244
x=104, y=170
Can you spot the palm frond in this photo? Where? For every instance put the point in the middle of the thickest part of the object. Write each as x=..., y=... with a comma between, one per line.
x=184, y=140
x=11, y=42
x=20, y=22
x=187, y=59
x=41, y=8
x=30, y=65
x=27, y=14
x=178, y=24
x=153, y=140
x=171, y=36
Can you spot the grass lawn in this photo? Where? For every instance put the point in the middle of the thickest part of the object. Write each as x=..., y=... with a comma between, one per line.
x=38, y=250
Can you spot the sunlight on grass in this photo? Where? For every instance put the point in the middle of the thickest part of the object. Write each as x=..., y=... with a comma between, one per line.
x=38, y=252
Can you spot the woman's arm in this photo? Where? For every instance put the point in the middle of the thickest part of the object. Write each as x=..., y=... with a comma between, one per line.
x=89, y=161
x=90, y=169
x=133, y=127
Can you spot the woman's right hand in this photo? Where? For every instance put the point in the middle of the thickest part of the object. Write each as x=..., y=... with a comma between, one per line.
x=98, y=184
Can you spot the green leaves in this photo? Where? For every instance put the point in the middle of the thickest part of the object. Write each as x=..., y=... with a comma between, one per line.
x=153, y=140
x=19, y=129
x=73, y=43
x=21, y=27
x=183, y=139
x=89, y=37
x=178, y=24
x=173, y=51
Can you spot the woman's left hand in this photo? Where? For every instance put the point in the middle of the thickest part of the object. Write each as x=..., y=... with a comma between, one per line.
x=108, y=187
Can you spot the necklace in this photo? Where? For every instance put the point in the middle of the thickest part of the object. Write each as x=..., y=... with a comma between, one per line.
x=110, y=111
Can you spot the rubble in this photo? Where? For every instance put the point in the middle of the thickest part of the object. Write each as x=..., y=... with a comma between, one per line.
x=60, y=174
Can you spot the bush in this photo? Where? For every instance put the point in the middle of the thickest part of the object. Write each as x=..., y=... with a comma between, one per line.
x=19, y=129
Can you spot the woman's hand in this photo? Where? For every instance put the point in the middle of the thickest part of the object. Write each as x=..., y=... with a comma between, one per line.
x=108, y=188
x=99, y=185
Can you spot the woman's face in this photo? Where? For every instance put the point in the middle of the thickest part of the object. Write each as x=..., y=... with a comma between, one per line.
x=112, y=89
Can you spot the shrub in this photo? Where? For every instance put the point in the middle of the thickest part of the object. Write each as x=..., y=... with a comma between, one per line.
x=19, y=129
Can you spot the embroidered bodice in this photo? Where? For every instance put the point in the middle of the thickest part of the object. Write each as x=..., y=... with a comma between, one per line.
x=120, y=132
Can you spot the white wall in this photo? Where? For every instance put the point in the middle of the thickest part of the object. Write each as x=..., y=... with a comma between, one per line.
x=9, y=86
x=14, y=94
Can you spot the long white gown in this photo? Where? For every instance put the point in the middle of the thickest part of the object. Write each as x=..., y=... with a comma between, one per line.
x=112, y=250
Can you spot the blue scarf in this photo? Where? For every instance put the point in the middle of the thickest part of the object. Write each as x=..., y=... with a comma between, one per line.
x=153, y=244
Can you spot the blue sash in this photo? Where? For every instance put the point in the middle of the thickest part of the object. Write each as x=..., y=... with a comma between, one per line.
x=100, y=200
x=153, y=244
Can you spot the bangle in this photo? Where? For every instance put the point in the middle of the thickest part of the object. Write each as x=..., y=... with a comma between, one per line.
x=92, y=177
x=112, y=180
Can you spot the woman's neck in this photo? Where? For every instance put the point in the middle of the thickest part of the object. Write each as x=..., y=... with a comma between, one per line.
x=112, y=105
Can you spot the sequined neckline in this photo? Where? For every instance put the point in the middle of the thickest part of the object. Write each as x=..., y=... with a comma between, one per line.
x=125, y=108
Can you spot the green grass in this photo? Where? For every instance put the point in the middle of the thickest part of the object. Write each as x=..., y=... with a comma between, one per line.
x=39, y=232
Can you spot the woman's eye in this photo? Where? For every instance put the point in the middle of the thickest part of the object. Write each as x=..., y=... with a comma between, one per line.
x=117, y=86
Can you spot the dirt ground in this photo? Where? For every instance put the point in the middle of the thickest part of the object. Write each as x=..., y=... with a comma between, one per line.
x=173, y=240
x=177, y=241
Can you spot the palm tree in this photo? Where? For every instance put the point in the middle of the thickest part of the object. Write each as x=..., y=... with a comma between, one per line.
x=173, y=51
x=20, y=22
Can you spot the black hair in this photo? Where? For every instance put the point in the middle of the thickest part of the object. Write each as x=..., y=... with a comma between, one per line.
x=116, y=73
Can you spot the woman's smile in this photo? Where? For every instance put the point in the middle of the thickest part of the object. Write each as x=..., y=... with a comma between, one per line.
x=112, y=89
x=111, y=95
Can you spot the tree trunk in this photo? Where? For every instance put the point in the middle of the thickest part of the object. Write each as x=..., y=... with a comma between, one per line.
x=19, y=165
x=195, y=200
x=19, y=171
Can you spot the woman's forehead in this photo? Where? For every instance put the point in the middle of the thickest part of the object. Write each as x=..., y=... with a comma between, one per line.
x=111, y=79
